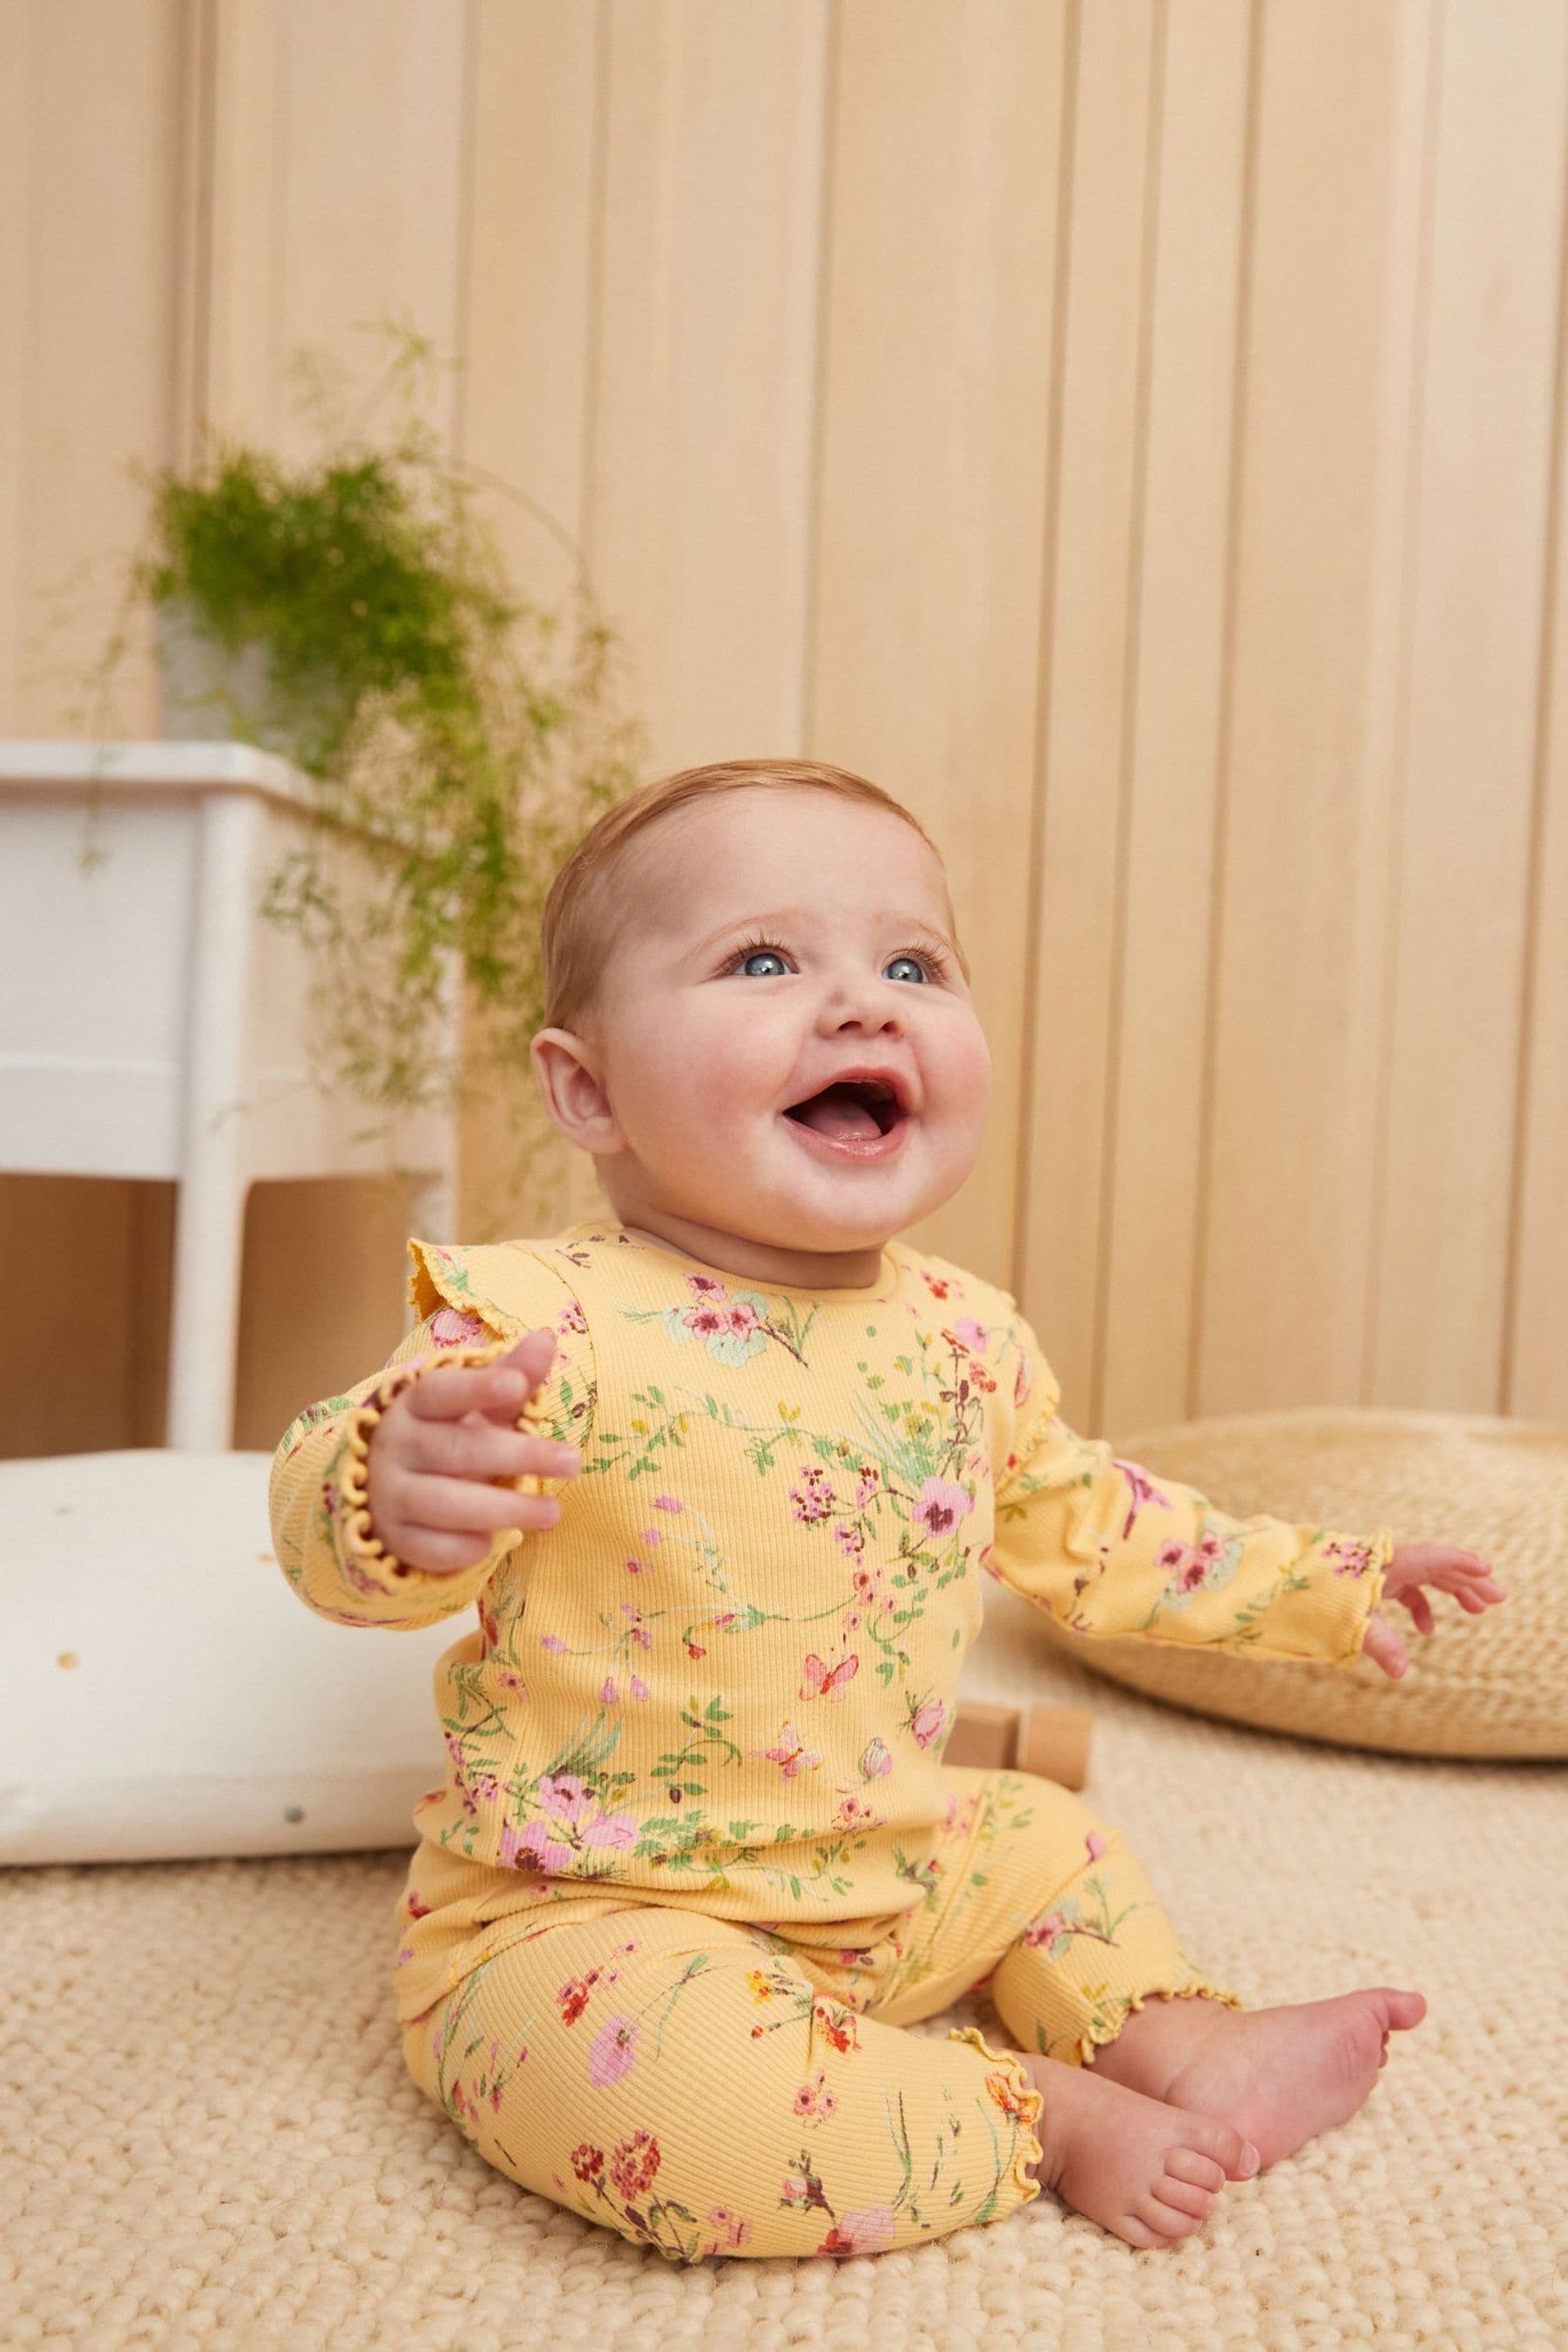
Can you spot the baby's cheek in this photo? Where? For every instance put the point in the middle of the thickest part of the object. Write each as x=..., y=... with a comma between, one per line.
x=966, y=1070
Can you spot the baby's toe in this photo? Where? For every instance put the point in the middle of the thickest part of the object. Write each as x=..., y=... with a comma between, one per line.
x=1201, y=2171
x=1208, y=2135
x=1165, y=2221
x=1184, y=2197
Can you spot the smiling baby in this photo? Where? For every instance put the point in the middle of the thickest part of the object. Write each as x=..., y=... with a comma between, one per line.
x=722, y=1474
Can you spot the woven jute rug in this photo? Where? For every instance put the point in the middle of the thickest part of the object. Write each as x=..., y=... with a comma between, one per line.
x=207, y=2138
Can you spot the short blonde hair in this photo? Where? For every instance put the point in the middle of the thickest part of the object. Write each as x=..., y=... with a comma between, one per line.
x=581, y=910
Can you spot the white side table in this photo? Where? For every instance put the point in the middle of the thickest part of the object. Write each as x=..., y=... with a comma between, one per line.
x=153, y=1023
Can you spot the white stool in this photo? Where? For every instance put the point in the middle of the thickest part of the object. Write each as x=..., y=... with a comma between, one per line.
x=155, y=1023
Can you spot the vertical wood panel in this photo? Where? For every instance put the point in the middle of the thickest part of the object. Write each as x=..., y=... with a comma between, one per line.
x=932, y=494
x=526, y=412
x=1086, y=684
x=1470, y=761
x=697, y=514
x=1147, y=1256
x=1296, y=1016
x=339, y=183
x=1535, y=1380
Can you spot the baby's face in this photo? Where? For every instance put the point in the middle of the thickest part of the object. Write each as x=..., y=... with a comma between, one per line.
x=704, y=1043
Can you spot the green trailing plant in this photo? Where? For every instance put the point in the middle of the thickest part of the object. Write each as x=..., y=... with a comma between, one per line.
x=457, y=738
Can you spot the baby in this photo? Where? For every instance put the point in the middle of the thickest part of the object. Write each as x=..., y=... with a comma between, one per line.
x=721, y=1473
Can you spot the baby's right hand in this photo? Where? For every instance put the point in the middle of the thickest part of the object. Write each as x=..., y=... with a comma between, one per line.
x=440, y=1445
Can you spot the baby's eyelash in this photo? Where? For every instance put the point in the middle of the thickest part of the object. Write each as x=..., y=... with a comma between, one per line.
x=922, y=950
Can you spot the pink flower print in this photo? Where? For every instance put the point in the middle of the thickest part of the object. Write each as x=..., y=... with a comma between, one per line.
x=741, y=1317
x=814, y=2101
x=928, y=1722
x=553, y=1641
x=563, y=1795
x=615, y=2050
x=607, y=1692
x=813, y=1499
x=871, y=1477
x=874, y=1761
x=940, y=1505
x=854, y=1813
x=650, y=1536
x=870, y=2233
x=1055, y=1928
x=706, y=1321
x=733, y=2230
x=970, y=1335
x=1143, y=1490
x=617, y=1830
x=638, y=1628
x=1020, y=1383
x=639, y=1689
x=667, y=1502
x=1190, y=1572
x=1095, y=1844
x=790, y=1753
x=533, y=1848
x=450, y=1327
x=850, y=1540
x=1350, y=1559
x=1189, y=1564
x=634, y=1567
x=706, y=1286
x=572, y=1318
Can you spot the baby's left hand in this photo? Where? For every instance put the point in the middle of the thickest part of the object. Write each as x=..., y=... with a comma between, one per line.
x=1444, y=1567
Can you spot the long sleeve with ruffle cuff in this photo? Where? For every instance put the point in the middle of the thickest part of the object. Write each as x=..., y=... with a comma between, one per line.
x=1108, y=1547
x=322, y=1527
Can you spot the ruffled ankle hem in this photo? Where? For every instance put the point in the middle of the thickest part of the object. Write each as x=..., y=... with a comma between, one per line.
x=1015, y=2095
x=1100, y=2032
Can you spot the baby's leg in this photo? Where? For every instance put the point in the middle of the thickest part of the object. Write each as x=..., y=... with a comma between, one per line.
x=1099, y=1979
x=1280, y=2075
x=672, y=2077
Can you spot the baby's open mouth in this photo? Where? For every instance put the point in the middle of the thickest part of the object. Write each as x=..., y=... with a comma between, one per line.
x=851, y=1110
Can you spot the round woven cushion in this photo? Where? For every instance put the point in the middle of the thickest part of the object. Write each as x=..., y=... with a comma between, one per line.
x=1494, y=1685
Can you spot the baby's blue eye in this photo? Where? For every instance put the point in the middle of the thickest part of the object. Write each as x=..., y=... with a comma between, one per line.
x=762, y=951
x=910, y=960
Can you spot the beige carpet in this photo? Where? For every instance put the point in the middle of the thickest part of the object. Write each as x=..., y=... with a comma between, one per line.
x=207, y=2138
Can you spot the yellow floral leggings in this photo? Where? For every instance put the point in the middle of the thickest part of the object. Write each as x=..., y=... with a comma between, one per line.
x=710, y=2087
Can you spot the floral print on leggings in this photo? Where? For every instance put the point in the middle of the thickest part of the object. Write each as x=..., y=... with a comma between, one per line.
x=710, y=2088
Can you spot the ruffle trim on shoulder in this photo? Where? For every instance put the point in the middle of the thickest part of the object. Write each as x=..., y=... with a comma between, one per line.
x=1012, y=2091
x=461, y=1278
x=354, y=1532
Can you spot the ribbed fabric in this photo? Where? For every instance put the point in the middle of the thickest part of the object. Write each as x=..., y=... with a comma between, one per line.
x=725, y=1679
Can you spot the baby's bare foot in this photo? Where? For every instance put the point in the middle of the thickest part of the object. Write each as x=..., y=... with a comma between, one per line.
x=1283, y=2076
x=1146, y=2170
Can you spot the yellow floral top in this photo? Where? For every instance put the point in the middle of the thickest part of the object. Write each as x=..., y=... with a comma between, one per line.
x=725, y=1679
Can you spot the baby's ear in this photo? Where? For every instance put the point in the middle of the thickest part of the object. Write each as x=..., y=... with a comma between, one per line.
x=573, y=1095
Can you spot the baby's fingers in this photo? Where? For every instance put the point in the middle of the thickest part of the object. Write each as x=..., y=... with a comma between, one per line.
x=1383, y=1645
x=1420, y=1608
x=469, y=1505
x=454, y=1390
